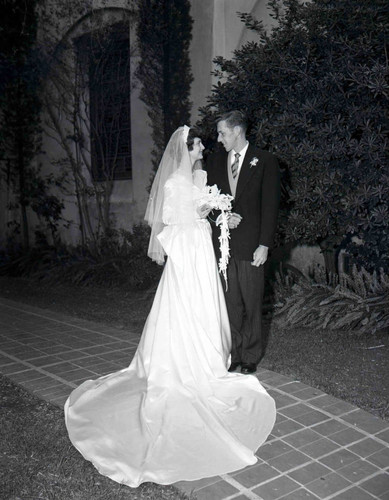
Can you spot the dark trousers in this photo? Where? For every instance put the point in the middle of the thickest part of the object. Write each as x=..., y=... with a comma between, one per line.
x=244, y=304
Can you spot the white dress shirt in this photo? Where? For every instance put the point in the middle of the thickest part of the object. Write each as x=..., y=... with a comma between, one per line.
x=231, y=159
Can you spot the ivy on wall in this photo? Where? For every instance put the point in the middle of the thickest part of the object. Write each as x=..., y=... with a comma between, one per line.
x=20, y=126
x=164, y=33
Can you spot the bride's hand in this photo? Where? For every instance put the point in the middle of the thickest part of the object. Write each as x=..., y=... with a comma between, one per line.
x=203, y=211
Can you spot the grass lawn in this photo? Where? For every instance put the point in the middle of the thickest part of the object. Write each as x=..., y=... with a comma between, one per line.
x=349, y=367
x=37, y=460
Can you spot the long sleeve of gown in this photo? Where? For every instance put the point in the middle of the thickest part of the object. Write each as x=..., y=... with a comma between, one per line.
x=178, y=207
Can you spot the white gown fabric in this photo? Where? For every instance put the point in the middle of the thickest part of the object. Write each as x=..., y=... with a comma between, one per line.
x=175, y=413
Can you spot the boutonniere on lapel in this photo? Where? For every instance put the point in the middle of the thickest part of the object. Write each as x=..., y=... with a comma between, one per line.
x=253, y=162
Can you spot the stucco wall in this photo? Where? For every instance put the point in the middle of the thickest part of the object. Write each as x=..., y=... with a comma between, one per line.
x=229, y=32
x=129, y=197
x=201, y=53
x=218, y=31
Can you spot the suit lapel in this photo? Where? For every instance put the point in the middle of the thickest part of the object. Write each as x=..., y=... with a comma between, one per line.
x=224, y=182
x=247, y=170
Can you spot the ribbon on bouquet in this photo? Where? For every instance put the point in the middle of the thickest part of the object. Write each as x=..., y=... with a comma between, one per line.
x=219, y=201
x=224, y=245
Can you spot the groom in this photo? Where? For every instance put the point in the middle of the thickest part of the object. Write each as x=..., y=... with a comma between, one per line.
x=252, y=176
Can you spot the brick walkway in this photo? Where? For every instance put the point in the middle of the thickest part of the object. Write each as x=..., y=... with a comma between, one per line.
x=320, y=447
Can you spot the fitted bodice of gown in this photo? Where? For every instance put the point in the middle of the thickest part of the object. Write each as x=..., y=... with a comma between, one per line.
x=175, y=413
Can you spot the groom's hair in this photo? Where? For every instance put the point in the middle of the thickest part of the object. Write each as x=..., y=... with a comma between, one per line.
x=234, y=118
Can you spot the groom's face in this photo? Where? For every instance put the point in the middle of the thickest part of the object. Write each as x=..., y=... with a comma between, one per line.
x=227, y=136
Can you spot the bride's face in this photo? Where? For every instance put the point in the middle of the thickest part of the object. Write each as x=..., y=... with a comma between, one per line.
x=196, y=153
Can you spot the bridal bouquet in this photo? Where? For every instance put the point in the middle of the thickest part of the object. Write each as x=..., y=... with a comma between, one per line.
x=218, y=201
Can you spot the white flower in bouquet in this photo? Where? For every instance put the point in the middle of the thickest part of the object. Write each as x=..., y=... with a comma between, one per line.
x=215, y=199
x=219, y=201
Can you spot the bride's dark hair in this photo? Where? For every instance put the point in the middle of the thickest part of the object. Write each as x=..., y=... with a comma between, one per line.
x=192, y=134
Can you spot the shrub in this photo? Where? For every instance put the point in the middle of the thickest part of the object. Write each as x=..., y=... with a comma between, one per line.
x=21, y=179
x=316, y=93
x=118, y=259
x=357, y=302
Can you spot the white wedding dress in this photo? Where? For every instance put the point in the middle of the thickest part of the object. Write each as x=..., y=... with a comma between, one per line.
x=175, y=413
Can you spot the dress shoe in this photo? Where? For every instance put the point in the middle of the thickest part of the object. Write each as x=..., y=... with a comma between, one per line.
x=248, y=368
x=233, y=366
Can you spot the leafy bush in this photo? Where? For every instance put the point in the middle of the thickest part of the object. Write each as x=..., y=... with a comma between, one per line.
x=357, y=302
x=316, y=91
x=118, y=259
x=21, y=179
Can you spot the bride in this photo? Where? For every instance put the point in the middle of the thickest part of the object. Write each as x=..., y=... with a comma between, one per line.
x=175, y=413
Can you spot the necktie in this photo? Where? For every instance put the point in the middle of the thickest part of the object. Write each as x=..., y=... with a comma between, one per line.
x=235, y=165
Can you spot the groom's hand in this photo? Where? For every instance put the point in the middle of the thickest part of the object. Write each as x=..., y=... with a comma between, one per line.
x=234, y=220
x=260, y=256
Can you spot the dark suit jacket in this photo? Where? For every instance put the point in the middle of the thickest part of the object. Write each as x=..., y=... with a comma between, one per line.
x=256, y=200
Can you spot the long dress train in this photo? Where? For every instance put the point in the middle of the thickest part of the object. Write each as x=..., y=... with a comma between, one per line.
x=175, y=413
